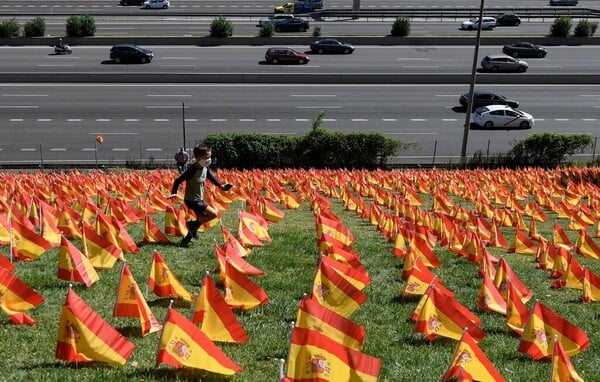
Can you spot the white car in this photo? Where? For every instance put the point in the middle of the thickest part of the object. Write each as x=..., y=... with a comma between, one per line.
x=502, y=117
x=156, y=4
x=473, y=23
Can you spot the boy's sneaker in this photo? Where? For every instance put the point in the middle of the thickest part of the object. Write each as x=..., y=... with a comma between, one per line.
x=185, y=242
x=192, y=229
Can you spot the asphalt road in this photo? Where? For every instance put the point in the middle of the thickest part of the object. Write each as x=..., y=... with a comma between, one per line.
x=58, y=123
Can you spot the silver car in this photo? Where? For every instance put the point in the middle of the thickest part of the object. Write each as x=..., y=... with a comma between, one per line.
x=503, y=63
x=502, y=117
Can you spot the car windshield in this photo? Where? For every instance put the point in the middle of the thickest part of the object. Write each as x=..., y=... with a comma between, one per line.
x=474, y=19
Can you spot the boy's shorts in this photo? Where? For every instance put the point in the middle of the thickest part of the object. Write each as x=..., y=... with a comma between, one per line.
x=198, y=206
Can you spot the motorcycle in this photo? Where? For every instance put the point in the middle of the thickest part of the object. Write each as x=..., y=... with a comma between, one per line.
x=65, y=49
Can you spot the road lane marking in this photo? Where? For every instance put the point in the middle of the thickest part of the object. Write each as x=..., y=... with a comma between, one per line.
x=168, y=95
x=19, y=107
x=27, y=149
x=318, y=107
x=313, y=95
x=131, y=120
x=161, y=120
x=24, y=95
x=418, y=120
x=218, y=120
x=153, y=149
x=389, y=120
x=74, y=120
x=16, y=120
x=359, y=120
x=44, y=119
x=246, y=120
x=163, y=107
x=273, y=120
x=120, y=149
x=102, y=119
x=58, y=149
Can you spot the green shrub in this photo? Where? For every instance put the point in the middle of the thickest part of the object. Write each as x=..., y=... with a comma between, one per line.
x=548, y=149
x=561, y=27
x=221, y=27
x=316, y=31
x=318, y=149
x=81, y=26
x=10, y=28
x=585, y=28
x=266, y=30
x=35, y=27
x=401, y=27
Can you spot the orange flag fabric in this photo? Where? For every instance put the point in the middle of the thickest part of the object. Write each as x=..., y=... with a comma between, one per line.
x=538, y=336
x=215, y=316
x=131, y=303
x=503, y=275
x=182, y=344
x=74, y=266
x=490, y=299
x=314, y=356
x=83, y=336
x=101, y=252
x=562, y=368
x=26, y=244
x=163, y=282
x=312, y=315
x=153, y=234
x=471, y=358
x=517, y=313
x=240, y=291
x=17, y=297
x=591, y=286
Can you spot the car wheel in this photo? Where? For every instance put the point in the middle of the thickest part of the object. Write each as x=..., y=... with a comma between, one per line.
x=277, y=29
x=540, y=54
x=302, y=29
x=165, y=7
x=522, y=69
x=488, y=124
x=147, y=7
x=515, y=54
x=301, y=61
x=494, y=69
x=346, y=51
x=320, y=51
x=517, y=23
x=275, y=61
x=524, y=125
x=118, y=60
x=143, y=60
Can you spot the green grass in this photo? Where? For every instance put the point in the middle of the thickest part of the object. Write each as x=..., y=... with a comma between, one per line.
x=27, y=353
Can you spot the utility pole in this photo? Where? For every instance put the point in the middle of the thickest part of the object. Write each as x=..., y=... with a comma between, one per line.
x=183, y=123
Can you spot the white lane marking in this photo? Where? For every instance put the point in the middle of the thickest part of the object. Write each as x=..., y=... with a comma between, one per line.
x=163, y=107
x=301, y=120
x=120, y=149
x=389, y=120
x=102, y=119
x=246, y=120
x=27, y=149
x=168, y=95
x=561, y=119
x=329, y=120
x=589, y=119
x=55, y=65
x=161, y=120
x=318, y=107
x=19, y=107
x=191, y=120
x=153, y=149
x=359, y=120
x=44, y=119
x=58, y=149
x=131, y=120
x=24, y=95
x=179, y=58
x=16, y=120
x=273, y=120
x=449, y=119
x=218, y=120
x=313, y=95
x=74, y=120
x=418, y=120
x=89, y=149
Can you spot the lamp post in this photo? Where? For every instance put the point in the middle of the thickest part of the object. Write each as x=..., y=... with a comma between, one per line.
x=183, y=123
x=463, y=150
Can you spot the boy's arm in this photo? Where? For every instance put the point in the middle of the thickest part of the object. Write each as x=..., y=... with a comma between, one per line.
x=211, y=177
x=187, y=174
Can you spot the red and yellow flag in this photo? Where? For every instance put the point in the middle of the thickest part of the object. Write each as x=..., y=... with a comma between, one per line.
x=163, y=282
x=472, y=359
x=182, y=344
x=131, y=303
x=17, y=297
x=255, y=224
x=312, y=315
x=314, y=356
x=240, y=291
x=562, y=368
x=101, y=252
x=153, y=234
x=215, y=316
x=83, y=336
x=490, y=299
x=517, y=313
x=74, y=266
x=591, y=286
x=586, y=246
x=503, y=275
x=538, y=335
x=26, y=244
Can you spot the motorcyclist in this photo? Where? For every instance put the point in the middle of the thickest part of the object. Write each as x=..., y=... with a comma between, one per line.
x=60, y=45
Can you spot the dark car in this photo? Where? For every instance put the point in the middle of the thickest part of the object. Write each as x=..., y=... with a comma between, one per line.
x=485, y=98
x=524, y=49
x=330, y=45
x=285, y=55
x=130, y=53
x=132, y=2
x=508, y=19
x=292, y=25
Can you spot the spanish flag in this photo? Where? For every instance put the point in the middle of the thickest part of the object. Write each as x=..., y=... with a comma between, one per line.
x=538, y=336
x=240, y=291
x=83, y=336
x=472, y=359
x=182, y=344
x=74, y=266
x=26, y=244
x=562, y=368
x=591, y=286
x=215, y=316
x=163, y=282
x=314, y=356
x=17, y=296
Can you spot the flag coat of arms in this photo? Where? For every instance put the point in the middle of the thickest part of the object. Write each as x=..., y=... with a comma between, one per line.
x=182, y=344
x=131, y=303
x=163, y=282
x=473, y=360
x=314, y=356
x=215, y=316
x=538, y=335
x=84, y=336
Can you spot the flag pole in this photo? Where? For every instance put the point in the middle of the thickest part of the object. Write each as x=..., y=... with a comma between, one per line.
x=162, y=333
x=453, y=358
x=553, y=355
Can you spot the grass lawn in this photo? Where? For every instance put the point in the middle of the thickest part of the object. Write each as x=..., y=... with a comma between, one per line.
x=289, y=263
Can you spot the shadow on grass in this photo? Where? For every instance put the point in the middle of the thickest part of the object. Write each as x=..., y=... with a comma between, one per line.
x=130, y=331
x=164, y=303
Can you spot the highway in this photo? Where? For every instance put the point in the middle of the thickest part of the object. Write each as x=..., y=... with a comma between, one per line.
x=58, y=122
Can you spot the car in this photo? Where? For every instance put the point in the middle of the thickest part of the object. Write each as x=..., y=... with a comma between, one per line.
x=156, y=4
x=473, y=23
x=292, y=25
x=275, y=19
x=130, y=53
x=485, y=98
x=508, y=19
x=285, y=55
x=502, y=116
x=503, y=63
x=131, y=2
x=524, y=49
x=330, y=45
x=563, y=2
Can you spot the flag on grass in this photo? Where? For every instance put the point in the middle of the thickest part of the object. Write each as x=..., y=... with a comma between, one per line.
x=314, y=356
x=505, y=273
x=131, y=303
x=153, y=234
x=101, y=252
x=517, y=313
x=163, y=282
x=312, y=315
x=562, y=368
x=538, y=336
x=240, y=291
x=591, y=286
x=182, y=344
x=586, y=246
x=490, y=299
x=74, y=266
x=26, y=244
x=470, y=357
x=215, y=316
x=84, y=336
x=17, y=297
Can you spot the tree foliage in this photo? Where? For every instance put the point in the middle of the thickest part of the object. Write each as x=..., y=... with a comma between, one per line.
x=548, y=149
x=401, y=27
x=221, y=27
x=561, y=27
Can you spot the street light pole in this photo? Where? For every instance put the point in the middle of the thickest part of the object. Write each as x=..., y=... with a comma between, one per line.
x=183, y=123
x=463, y=150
